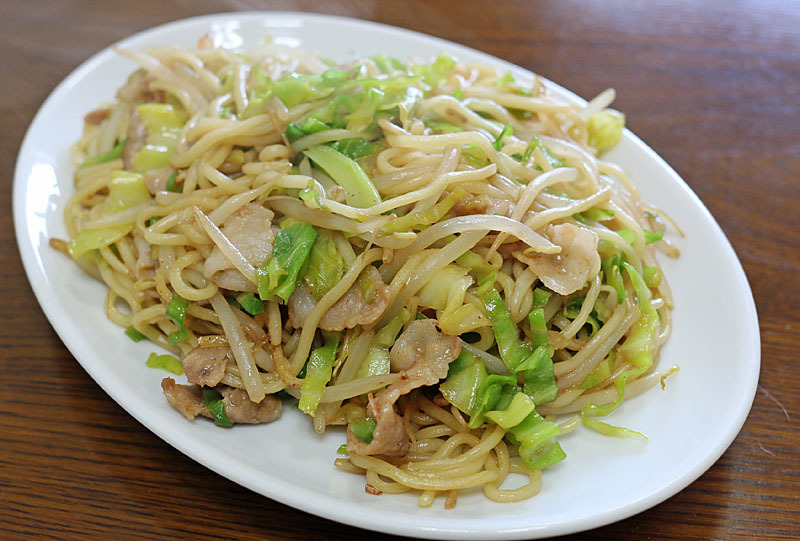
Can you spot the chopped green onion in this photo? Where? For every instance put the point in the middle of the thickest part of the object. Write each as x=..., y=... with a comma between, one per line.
x=342, y=450
x=627, y=235
x=213, y=401
x=172, y=185
x=134, y=335
x=112, y=154
x=508, y=131
x=176, y=311
x=651, y=275
x=363, y=429
x=165, y=362
x=598, y=214
x=459, y=94
x=650, y=237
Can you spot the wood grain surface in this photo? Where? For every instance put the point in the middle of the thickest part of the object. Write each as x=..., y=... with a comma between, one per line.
x=713, y=86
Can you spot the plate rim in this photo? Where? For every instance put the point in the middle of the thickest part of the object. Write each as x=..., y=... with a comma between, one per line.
x=296, y=497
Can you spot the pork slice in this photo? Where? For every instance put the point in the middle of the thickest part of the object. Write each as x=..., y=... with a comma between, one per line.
x=97, y=117
x=188, y=399
x=157, y=179
x=137, y=138
x=240, y=409
x=424, y=354
x=483, y=204
x=206, y=366
x=350, y=310
x=422, y=346
x=137, y=89
x=250, y=231
x=145, y=262
x=567, y=271
x=389, y=437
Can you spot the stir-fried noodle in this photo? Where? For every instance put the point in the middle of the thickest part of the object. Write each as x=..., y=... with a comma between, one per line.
x=431, y=254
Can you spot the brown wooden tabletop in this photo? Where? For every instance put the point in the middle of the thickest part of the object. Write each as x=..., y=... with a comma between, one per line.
x=713, y=86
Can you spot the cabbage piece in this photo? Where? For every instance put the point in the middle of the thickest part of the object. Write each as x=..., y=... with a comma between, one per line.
x=164, y=123
x=359, y=189
x=445, y=293
x=250, y=303
x=605, y=129
x=637, y=348
x=354, y=147
x=387, y=64
x=434, y=73
x=535, y=437
x=294, y=89
x=601, y=373
x=126, y=190
x=425, y=217
x=279, y=274
x=325, y=265
x=512, y=349
x=377, y=360
x=613, y=276
x=465, y=382
x=318, y=374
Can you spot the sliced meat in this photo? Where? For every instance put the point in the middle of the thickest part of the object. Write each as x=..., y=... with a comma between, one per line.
x=301, y=303
x=483, y=204
x=389, y=437
x=422, y=346
x=565, y=272
x=137, y=139
x=97, y=116
x=250, y=230
x=240, y=409
x=188, y=399
x=157, y=179
x=206, y=366
x=145, y=262
x=350, y=310
x=137, y=89
x=425, y=355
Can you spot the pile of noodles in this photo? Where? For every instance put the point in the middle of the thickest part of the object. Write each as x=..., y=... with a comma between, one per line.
x=225, y=161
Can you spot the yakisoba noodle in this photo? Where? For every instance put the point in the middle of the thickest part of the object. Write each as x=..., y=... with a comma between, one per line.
x=431, y=254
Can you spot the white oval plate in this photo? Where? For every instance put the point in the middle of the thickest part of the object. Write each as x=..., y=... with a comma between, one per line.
x=690, y=424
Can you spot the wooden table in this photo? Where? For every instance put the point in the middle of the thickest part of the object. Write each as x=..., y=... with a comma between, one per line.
x=712, y=86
